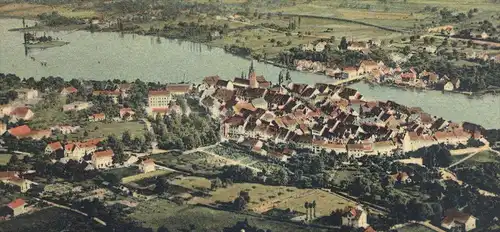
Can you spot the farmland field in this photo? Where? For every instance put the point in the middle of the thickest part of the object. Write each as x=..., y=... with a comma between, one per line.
x=264, y=198
x=196, y=162
x=102, y=130
x=156, y=213
x=49, y=220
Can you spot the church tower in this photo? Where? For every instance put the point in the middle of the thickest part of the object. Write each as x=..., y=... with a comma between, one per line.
x=252, y=77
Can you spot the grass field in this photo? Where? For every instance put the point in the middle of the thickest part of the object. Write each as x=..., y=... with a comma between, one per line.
x=142, y=176
x=49, y=220
x=4, y=158
x=484, y=157
x=415, y=228
x=264, y=198
x=194, y=162
x=156, y=213
x=193, y=182
x=103, y=130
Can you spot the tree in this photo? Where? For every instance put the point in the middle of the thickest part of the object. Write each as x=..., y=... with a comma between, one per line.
x=343, y=43
x=280, y=177
x=313, y=204
x=127, y=138
x=216, y=183
x=162, y=185
x=306, y=205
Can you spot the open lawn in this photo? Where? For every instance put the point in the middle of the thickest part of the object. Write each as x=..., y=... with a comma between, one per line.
x=4, y=158
x=103, y=130
x=147, y=175
x=49, y=220
x=265, y=197
x=156, y=213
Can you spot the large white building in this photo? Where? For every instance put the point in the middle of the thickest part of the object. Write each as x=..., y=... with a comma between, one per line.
x=159, y=99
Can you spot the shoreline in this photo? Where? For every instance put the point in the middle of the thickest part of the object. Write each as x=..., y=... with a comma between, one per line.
x=76, y=27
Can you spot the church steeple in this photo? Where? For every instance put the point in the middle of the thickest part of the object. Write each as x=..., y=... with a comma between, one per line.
x=251, y=70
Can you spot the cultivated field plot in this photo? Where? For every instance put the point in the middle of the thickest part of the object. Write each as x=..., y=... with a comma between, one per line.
x=50, y=220
x=484, y=157
x=196, y=162
x=103, y=130
x=157, y=213
x=264, y=198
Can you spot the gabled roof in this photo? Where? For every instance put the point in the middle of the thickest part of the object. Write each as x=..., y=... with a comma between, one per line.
x=17, y=203
x=158, y=93
x=101, y=154
x=70, y=89
x=178, y=88
x=8, y=175
x=211, y=80
x=453, y=215
x=20, y=111
x=20, y=131
x=148, y=162
x=55, y=146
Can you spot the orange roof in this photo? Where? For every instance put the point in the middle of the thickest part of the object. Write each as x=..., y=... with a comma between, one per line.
x=100, y=154
x=55, y=146
x=148, y=161
x=7, y=175
x=158, y=93
x=69, y=146
x=370, y=229
x=100, y=115
x=17, y=203
x=126, y=110
x=23, y=130
x=178, y=88
x=160, y=110
x=90, y=142
x=20, y=111
x=70, y=89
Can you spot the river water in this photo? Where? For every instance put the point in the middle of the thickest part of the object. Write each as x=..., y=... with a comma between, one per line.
x=103, y=56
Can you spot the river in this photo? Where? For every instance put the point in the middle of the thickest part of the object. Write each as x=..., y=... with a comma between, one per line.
x=103, y=56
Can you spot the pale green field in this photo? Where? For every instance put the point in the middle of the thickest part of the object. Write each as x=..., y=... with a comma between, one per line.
x=103, y=130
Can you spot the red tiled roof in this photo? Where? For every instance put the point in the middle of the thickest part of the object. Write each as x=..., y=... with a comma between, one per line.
x=106, y=153
x=370, y=229
x=178, y=88
x=23, y=130
x=100, y=115
x=7, y=175
x=17, y=203
x=70, y=89
x=20, y=111
x=106, y=92
x=158, y=93
x=55, y=146
x=160, y=110
x=69, y=146
x=90, y=142
x=350, y=69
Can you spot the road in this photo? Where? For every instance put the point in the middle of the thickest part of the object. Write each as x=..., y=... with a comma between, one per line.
x=463, y=160
x=71, y=209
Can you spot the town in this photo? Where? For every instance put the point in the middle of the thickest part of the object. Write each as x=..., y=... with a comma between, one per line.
x=298, y=157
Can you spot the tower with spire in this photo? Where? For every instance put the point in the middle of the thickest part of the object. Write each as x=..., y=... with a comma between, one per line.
x=252, y=77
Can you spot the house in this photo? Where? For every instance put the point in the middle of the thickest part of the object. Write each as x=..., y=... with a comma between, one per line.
x=229, y=85
x=359, y=149
x=355, y=217
x=17, y=207
x=53, y=147
x=77, y=106
x=27, y=94
x=449, y=86
x=102, y=159
x=159, y=99
x=456, y=219
x=147, y=166
x=384, y=147
x=3, y=128
x=367, y=66
x=413, y=141
x=23, y=113
x=126, y=114
x=484, y=35
x=178, y=89
x=319, y=47
x=357, y=46
x=20, y=131
x=351, y=71
x=97, y=117
x=210, y=82
x=13, y=179
x=400, y=178
x=68, y=90
x=65, y=129
x=114, y=95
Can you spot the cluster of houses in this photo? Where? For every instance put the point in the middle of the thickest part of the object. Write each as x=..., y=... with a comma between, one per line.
x=322, y=117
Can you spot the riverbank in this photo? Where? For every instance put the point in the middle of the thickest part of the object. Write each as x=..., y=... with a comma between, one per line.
x=50, y=44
